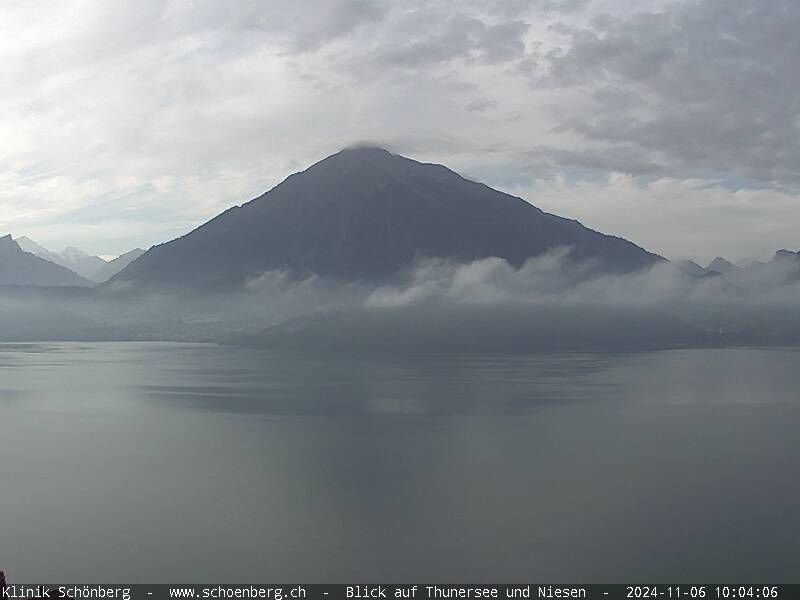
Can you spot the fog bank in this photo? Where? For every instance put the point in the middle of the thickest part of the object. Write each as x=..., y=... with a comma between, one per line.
x=552, y=302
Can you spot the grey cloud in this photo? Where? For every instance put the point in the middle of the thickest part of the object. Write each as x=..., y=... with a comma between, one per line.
x=458, y=37
x=612, y=97
x=186, y=108
x=515, y=8
x=545, y=161
x=337, y=19
x=305, y=26
x=480, y=105
x=702, y=86
x=453, y=82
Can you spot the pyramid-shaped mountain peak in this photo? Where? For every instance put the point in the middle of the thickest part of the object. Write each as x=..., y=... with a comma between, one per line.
x=365, y=213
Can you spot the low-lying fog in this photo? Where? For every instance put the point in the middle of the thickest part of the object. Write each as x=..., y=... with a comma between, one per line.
x=550, y=302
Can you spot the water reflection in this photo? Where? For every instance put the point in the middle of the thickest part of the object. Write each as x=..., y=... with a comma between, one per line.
x=166, y=462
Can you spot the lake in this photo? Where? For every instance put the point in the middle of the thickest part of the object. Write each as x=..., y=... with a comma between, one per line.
x=156, y=462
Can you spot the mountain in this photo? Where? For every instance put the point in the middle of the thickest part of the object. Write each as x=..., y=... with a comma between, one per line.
x=691, y=268
x=785, y=262
x=87, y=266
x=28, y=245
x=82, y=263
x=365, y=214
x=18, y=267
x=72, y=258
x=720, y=265
x=112, y=267
x=786, y=256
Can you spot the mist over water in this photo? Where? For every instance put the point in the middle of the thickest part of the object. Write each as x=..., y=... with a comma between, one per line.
x=179, y=462
x=550, y=303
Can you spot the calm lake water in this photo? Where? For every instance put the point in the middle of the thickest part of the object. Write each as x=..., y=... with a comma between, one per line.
x=137, y=462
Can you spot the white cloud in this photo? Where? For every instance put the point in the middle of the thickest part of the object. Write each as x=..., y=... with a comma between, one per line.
x=557, y=278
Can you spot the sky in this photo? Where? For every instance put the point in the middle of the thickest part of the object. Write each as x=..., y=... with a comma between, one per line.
x=673, y=124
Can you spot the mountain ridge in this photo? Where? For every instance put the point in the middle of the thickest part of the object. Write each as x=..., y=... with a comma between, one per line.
x=365, y=214
x=91, y=268
x=20, y=268
x=722, y=265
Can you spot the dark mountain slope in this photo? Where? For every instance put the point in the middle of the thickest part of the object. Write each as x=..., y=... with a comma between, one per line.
x=365, y=213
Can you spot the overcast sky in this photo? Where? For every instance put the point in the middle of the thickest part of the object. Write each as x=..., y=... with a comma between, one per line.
x=128, y=123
